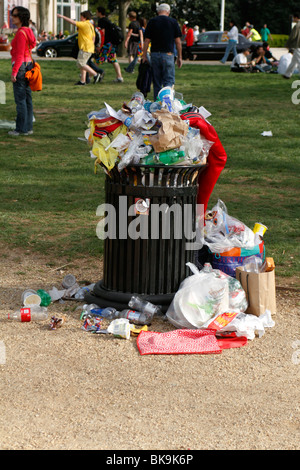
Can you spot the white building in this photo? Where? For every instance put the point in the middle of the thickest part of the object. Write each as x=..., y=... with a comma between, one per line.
x=65, y=7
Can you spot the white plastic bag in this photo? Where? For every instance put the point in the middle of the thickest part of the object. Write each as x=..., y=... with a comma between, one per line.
x=245, y=324
x=200, y=297
x=205, y=295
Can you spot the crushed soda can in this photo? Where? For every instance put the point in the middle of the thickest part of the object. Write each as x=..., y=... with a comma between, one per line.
x=56, y=322
x=92, y=324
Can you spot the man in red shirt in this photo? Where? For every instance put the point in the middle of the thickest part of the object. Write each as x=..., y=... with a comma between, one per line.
x=189, y=39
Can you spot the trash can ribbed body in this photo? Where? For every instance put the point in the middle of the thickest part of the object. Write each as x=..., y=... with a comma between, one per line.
x=145, y=251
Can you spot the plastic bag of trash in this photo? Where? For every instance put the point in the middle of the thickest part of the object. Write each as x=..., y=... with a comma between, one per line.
x=223, y=232
x=205, y=295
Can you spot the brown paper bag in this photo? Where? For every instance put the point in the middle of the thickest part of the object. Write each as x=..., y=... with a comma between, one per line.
x=260, y=290
x=171, y=132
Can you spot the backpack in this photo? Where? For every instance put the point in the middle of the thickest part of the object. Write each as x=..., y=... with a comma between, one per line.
x=116, y=34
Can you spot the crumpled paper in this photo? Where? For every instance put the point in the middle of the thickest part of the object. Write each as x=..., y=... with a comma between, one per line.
x=171, y=132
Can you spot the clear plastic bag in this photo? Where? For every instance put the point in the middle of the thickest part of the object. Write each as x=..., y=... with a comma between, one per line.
x=223, y=232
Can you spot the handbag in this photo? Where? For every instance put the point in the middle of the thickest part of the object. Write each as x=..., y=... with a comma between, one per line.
x=34, y=74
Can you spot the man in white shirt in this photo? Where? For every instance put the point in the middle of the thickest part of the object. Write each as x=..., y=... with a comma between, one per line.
x=233, y=37
x=240, y=62
x=285, y=61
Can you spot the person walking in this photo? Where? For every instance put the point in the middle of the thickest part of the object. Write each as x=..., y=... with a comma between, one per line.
x=294, y=42
x=133, y=39
x=265, y=33
x=21, y=46
x=233, y=37
x=164, y=34
x=108, y=51
x=86, y=44
x=189, y=40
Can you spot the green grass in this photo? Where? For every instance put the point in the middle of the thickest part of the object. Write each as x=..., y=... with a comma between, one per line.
x=49, y=192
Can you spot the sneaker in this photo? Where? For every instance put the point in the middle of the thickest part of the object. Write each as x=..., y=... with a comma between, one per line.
x=285, y=76
x=118, y=80
x=16, y=133
x=79, y=83
x=98, y=77
x=128, y=71
x=30, y=132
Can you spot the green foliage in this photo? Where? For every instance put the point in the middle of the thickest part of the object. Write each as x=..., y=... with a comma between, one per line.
x=279, y=40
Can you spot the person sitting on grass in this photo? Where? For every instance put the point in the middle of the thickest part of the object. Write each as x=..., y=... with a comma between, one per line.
x=240, y=62
x=259, y=61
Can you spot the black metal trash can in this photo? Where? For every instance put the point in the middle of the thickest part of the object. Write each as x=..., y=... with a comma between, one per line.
x=145, y=249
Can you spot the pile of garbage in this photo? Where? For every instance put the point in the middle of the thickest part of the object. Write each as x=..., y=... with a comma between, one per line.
x=147, y=133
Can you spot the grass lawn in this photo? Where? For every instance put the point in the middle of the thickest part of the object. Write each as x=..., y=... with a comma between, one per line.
x=49, y=192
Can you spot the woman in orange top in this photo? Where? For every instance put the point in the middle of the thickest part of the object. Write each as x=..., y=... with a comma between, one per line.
x=22, y=44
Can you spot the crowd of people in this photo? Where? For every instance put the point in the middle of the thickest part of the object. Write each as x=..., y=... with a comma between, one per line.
x=157, y=43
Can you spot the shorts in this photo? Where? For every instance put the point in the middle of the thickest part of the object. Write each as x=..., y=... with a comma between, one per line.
x=133, y=47
x=83, y=58
x=107, y=52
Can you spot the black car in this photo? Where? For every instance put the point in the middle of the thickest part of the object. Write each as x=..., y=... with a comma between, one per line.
x=211, y=45
x=57, y=47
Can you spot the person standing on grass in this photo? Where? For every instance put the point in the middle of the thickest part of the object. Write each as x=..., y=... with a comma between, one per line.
x=108, y=50
x=233, y=37
x=164, y=33
x=265, y=34
x=294, y=43
x=86, y=44
x=21, y=46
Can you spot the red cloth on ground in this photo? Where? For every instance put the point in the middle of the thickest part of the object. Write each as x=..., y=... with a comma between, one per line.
x=216, y=158
x=178, y=342
x=186, y=341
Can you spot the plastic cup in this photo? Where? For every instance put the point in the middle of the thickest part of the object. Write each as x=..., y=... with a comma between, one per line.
x=30, y=297
x=260, y=229
x=166, y=91
x=68, y=281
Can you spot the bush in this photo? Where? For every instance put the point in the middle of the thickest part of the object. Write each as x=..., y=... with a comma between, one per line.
x=279, y=40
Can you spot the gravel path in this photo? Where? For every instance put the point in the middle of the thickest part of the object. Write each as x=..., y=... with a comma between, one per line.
x=68, y=389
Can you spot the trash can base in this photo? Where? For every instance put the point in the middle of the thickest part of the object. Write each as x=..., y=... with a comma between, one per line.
x=119, y=300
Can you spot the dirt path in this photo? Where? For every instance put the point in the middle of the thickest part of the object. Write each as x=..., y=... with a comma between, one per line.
x=68, y=389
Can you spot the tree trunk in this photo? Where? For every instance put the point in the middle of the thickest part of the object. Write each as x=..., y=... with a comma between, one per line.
x=123, y=7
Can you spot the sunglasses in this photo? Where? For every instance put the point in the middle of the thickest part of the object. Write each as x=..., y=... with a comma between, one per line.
x=15, y=14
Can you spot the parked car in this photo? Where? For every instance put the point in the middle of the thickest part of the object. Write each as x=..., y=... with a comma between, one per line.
x=57, y=47
x=211, y=45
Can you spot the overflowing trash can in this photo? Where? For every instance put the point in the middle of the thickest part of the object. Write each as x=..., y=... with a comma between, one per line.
x=151, y=233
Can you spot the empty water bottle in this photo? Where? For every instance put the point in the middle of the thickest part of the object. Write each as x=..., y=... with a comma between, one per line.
x=155, y=107
x=136, y=102
x=27, y=314
x=82, y=291
x=144, y=306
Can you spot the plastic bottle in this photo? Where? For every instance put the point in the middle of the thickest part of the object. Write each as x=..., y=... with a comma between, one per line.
x=136, y=102
x=253, y=264
x=136, y=317
x=27, y=314
x=95, y=310
x=171, y=157
x=82, y=291
x=156, y=106
x=144, y=306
